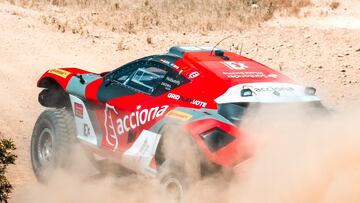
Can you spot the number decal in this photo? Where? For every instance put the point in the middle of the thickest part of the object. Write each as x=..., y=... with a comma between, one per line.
x=233, y=65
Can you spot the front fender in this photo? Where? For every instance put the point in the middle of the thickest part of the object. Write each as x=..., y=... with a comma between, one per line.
x=59, y=76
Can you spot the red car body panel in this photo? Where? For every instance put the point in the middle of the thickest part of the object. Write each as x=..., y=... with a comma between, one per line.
x=121, y=119
x=228, y=156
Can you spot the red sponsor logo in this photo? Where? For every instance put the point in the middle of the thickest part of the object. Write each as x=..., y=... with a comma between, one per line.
x=194, y=74
x=79, y=110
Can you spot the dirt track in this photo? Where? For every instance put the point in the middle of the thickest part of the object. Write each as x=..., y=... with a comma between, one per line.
x=325, y=57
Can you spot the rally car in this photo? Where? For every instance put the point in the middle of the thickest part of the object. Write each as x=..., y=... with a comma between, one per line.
x=174, y=116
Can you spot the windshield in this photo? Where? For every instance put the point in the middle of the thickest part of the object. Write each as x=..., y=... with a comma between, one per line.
x=146, y=80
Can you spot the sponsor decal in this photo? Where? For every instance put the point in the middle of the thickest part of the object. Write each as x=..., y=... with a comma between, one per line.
x=86, y=130
x=194, y=74
x=79, y=110
x=237, y=75
x=173, y=65
x=172, y=80
x=274, y=89
x=59, y=72
x=234, y=65
x=167, y=86
x=174, y=96
x=165, y=61
x=115, y=126
x=187, y=100
x=272, y=76
x=179, y=115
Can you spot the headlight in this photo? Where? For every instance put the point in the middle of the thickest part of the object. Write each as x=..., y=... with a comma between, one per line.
x=310, y=91
x=216, y=139
x=246, y=93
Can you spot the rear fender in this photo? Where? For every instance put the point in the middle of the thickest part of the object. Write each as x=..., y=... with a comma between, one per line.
x=198, y=122
x=237, y=145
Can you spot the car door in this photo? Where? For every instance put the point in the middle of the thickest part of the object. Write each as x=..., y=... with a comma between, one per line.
x=125, y=94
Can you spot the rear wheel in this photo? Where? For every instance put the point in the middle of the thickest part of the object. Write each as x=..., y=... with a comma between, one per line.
x=173, y=180
x=179, y=160
x=51, y=142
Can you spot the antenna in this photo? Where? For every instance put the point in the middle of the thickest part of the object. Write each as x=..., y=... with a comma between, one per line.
x=219, y=43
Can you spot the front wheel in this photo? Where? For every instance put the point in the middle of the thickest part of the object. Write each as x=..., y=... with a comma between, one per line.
x=51, y=141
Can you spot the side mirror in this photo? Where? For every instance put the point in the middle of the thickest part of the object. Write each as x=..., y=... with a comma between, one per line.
x=82, y=81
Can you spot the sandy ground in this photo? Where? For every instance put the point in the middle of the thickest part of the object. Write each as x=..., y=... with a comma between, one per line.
x=321, y=50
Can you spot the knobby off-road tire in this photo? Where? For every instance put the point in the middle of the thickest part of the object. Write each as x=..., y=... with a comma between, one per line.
x=180, y=162
x=51, y=142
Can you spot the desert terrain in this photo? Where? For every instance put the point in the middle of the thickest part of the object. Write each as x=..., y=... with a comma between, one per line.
x=319, y=47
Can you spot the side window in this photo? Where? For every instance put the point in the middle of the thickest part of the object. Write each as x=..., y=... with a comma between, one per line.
x=172, y=80
x=148, y=77
x=123, y=77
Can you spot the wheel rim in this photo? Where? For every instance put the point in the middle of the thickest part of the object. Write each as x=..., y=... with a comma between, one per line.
x=174, y=188
x=45, y=147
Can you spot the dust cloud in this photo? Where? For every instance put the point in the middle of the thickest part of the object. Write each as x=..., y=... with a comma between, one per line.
x=302, y=155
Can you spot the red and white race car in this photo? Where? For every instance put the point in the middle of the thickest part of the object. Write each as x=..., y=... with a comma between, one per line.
x=161, y=115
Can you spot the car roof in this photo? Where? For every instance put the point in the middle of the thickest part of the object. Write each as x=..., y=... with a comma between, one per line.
x=227, y=66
